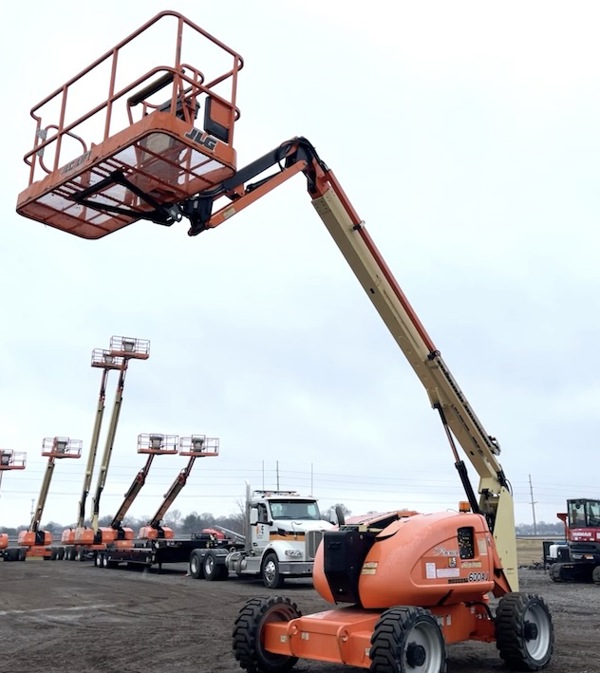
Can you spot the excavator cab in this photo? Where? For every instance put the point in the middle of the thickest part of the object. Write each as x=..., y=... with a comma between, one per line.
x=155, y=131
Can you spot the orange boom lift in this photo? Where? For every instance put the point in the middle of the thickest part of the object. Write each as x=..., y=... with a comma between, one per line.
x=151, y=445
x=36, y=541
x=9, y=460
x=402, y=587
x=88, y=540
x=196, y=446
x=104, y=360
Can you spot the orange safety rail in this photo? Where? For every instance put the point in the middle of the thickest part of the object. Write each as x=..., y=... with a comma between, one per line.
x=156, y=444
x=61, y=447
x=140, y=147
x=12, y=460
x=199, y=446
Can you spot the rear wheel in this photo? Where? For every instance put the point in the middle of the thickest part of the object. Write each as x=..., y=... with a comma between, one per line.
x=524, y=631
x=407, y=639
x=247, y=634
x=596, y=575
x=269, y=571
x=213, y=571
x=195, y=566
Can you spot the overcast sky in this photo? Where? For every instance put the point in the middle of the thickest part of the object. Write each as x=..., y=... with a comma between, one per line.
x=466, y=136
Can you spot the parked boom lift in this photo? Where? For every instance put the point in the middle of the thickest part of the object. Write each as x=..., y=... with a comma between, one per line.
x=9, y=460
x=411, y=584
x=36, y=541
x=88, y=539
x=151, y=445
x=196, y=446
x=102, y=359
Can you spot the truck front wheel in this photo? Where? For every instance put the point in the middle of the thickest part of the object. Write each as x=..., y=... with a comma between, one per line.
x=270, y=572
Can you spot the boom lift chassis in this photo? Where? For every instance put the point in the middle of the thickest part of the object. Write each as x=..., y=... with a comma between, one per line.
x=409, y=580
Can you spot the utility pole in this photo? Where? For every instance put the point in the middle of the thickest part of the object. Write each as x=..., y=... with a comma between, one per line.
x=277, y=466
x=533, y=504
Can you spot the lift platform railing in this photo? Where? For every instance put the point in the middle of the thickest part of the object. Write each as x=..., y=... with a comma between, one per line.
x=12, y=460
x=136, y=147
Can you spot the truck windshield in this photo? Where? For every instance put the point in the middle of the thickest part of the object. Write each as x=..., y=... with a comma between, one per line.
x=296, y=509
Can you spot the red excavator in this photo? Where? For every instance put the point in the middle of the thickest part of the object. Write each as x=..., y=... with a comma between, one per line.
x=10, y=460
x=402, y=588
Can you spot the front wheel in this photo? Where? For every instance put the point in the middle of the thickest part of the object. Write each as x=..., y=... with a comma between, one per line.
x=269, y=571
x=247, y=634
x=524, y=631
x=407, y=639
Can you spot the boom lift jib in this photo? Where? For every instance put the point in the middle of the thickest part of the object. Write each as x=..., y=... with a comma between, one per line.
x=10, y=460
x=126, y=349
x=414, y=583
x=195, y=446
x=151, y=445
x=104, y=360
x=36, y=541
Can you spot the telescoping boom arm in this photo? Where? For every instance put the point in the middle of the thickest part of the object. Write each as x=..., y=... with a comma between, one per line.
x=350, y=234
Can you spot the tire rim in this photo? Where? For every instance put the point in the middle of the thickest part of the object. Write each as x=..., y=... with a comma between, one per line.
x=537, y=633
x=209, y=565
x=421, y=652
x=270, y=571
x=194, y=565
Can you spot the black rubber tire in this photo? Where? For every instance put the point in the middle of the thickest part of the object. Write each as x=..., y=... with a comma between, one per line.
x=407, y=639
x=60, y=553
x=73, y=554
x=247, y=631
x=54, y=554
x=555, y=573
x=269, y=571
x=195, y=566
x=22, y=555
x=596, y=575
x=213, y=571
x=524, y=631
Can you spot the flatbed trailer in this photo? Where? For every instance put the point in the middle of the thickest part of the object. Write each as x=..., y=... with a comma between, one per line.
x=157, y=552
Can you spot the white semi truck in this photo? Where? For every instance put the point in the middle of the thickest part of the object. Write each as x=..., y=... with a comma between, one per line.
x=282, y=532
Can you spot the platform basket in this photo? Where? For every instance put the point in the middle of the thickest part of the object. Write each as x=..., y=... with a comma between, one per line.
x=12, y=460
x=199, y=446
x=155, y=130
x=61, y=447
x=157, y=444
x=104, y=359
x=129, y=348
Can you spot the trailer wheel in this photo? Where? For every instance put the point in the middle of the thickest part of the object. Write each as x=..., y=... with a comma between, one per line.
x=269, y=571
x=407, y=639
x=60, y=554
x=195, y=566
x=213, y=572
x=524, y=631
x=596, y=575
x=80, y=554
x=98, y=560
x=54, y=554
x=22, y=555
x=247, y=634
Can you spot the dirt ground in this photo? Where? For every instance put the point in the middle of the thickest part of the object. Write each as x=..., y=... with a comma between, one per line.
x=67, y=616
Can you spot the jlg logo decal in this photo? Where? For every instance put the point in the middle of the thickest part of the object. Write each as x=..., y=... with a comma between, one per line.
x=202, y=138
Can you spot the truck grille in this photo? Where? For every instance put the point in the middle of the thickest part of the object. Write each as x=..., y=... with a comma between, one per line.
x=313, y=539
